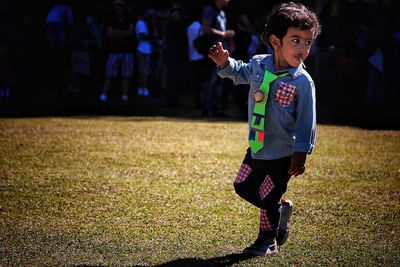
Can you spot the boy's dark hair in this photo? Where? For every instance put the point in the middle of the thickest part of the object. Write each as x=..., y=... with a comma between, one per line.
x=290, y=14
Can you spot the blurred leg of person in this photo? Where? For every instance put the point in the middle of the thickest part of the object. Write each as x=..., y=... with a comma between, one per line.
x=144, y=72
x=212, y=93
x=126, y=73
x=110, y=73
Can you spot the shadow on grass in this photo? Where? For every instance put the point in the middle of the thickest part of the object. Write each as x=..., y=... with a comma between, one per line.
x=223, y=261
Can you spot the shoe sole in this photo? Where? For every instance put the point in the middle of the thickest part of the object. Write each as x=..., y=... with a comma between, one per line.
x=285, y=232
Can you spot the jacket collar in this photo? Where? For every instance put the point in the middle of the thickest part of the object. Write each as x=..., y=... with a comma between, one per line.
x=269, y=62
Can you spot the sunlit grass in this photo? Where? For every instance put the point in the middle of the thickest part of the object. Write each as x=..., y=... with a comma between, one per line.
x=145, y=191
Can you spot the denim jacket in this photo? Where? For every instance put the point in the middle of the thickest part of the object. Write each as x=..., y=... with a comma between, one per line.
x=290, y=111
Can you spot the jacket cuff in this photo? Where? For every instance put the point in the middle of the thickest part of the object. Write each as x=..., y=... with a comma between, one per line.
x=228, y=68
x=303, y=147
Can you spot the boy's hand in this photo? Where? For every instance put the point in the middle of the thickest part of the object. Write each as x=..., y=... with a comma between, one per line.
x=297, y=164
x=219, y=55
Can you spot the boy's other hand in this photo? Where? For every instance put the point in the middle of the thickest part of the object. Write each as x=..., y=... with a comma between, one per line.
x=297, y=164
x=219, y=55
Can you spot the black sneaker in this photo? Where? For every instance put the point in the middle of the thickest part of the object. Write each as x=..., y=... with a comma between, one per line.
x=264, y=245
x=285, y=213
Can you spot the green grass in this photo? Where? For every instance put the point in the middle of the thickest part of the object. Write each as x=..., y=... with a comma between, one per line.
x=130, y=191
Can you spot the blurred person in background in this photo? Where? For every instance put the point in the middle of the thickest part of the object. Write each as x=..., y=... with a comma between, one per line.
x=215, y=24
x=120, y=39
x=197, y=62
x=143, y=52
x=175, y=54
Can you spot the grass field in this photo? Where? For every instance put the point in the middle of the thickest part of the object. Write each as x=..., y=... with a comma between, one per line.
x=131, y=191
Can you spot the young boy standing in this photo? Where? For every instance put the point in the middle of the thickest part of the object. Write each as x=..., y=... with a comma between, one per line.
x=282, y=115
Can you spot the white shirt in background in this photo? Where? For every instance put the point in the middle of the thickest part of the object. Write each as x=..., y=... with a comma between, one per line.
x=144, y=46
x=193, y=31
x=60, y=13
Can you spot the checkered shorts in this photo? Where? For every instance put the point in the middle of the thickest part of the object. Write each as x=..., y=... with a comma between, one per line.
x=115, y=60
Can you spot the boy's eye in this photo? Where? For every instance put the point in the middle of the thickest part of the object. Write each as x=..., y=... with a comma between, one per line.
x=297, y=41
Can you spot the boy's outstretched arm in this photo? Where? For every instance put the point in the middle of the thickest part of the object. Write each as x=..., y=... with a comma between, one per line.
x=219, y=55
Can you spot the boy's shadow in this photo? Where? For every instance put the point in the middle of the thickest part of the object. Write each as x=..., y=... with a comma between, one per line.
x=223, y=261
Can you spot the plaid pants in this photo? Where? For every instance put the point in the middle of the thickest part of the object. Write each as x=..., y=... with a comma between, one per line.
x=262, y=183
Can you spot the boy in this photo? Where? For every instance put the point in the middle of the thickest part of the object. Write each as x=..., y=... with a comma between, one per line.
x=282, y=116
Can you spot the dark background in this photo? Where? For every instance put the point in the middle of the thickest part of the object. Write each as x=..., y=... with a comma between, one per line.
x=351, y=33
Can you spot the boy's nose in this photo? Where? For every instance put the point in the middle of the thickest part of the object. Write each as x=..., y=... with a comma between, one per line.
x=303, y=48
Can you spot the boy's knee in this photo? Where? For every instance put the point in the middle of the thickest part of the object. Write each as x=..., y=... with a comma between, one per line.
x=246, y=193
x=270, y=203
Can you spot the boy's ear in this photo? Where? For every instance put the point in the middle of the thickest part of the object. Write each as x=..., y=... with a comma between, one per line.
x=274, y=41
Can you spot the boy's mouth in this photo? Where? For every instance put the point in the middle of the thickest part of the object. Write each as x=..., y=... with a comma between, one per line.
x=299, y=58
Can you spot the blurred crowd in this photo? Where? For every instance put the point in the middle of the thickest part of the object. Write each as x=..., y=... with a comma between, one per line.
x=52, y=51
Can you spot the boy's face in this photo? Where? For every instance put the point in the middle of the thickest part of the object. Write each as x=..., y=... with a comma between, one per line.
x=293, y=49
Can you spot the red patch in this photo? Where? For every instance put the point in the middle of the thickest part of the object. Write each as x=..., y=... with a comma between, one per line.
x=260, y=136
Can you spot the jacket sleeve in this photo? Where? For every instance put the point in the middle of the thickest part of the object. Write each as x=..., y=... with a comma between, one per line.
x=237, y=71
x=305, y=128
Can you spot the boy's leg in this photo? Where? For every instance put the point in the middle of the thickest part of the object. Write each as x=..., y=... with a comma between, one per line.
x=265, y=223
x=273, y=188
x=270, y=191
x=265, y=243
